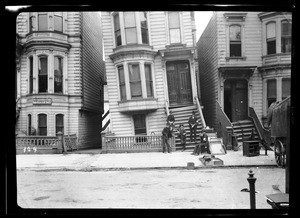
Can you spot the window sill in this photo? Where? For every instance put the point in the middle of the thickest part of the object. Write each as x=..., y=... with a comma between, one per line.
x=141, y=104
x=235, y=58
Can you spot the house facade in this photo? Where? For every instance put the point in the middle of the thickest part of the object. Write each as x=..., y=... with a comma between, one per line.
x=60, y=75
x=151, y=68
x=244, y=61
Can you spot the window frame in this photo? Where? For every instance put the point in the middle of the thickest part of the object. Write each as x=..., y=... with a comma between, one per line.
x=235, y=42
x=286, y=37
x=43, y=75
x=62, y=127
x=135, y=82
x=135, y=41
x=150, y=81
x=270, y=40
x=123, y=96
x=271, y=99
x=60, y=15
x=178, y=28
x=56, y=57
x=43, y=127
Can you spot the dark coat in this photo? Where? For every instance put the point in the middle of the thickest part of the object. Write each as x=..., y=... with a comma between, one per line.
x=166, y=133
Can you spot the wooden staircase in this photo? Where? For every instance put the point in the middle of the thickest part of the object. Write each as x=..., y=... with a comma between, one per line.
x=243, y=129
x=182, y=115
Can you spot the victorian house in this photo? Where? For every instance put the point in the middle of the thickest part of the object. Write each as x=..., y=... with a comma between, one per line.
x=60, y=75
x=244, y=64
x=151, y=68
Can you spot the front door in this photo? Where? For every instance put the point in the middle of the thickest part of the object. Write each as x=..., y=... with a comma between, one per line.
x=179, y=82
x=236, y=99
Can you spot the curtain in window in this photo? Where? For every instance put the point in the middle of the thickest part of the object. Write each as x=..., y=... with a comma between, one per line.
x=43, y=74
x=271, y=38
x=117, y=30
x=149, y=82
x=122, y=83
x=286, y=36
x=130, y=27
x=43, y=22
x=144, y=27
x=135, y=80
x=59, y=120
x=286, y=87
x=58, y=75
x=42, y=124
x=58, y=21
x=235, y=41
x=174, y=26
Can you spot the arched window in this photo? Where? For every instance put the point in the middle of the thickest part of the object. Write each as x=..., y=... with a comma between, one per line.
x=286, y=36
x=42, y=124
x=235, y=43
x=58, y=74
x=271, y=38
x=43, y=74
x=59, y=123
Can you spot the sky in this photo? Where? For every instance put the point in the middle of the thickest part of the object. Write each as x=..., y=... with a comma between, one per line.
x=201, y=20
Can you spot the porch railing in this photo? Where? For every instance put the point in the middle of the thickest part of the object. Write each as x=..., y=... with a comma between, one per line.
x=225, y=128
x=38, y=144
x=137, y=143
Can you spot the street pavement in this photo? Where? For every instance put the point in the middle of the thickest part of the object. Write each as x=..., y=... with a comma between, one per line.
x=95, y=160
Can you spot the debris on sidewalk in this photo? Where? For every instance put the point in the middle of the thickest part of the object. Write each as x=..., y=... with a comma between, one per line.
x=210, y=160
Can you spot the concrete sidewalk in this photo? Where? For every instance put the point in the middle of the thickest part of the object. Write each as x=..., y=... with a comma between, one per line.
x=98, y=161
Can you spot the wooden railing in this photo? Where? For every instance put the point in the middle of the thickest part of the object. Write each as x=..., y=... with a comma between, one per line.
x=200, y=111
x=225, y=126
x=263, y=134
x=71, y=142
x=33, y=144
x=137, y=143
x=167, y=108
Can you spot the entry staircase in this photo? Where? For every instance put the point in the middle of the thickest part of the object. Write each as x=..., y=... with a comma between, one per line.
x=182, y=115
x=243, y=130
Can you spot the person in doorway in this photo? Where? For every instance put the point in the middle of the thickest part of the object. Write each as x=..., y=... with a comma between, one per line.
x=171, y=119
x=193, y=122
x=182, y=135
x=166, y=135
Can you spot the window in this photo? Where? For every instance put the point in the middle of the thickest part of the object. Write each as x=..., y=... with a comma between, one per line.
x=29, y=124
x=58, y=22
x=286, y=87
x=58, y=75
x=149, y=82
x=42, y=124
x=174, y=27
x=144, y=27
x=130, y=27
x=235, y=45
x=59, y=123
x=31, y=23
x=42, y=22
x=271, y=38
x=122, y=83
x=286, y=36
x=135, y=80
x=140, y=127
x=117, y=30
x=271, y=91
x=30, y=74
x=43, y=74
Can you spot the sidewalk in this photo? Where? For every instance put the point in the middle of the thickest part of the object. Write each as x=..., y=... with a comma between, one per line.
x=98, y=161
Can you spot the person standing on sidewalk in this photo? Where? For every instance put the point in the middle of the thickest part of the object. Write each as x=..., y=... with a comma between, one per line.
x=166, y=135
x=193, y=122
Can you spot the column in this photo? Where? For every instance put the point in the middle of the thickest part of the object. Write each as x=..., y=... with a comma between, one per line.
x=264, y=97
x=35, y=73
x=122, y=29
x=143, y=79
x=138, y=27
x=65, y=74
x=50, y=72
x=127, y=82
x=278, y=36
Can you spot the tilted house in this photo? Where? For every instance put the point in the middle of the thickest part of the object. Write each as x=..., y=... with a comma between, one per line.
x=244, y=66
x=150, y=68
x=60, y=75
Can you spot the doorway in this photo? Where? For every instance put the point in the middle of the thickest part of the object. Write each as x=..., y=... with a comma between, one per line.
x=236, y=99
x=179, y=82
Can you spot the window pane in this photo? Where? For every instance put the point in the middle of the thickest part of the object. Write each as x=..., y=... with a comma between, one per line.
x=59, y=123
x=58, y=75
x=30, y=74
x=58, y=23
x=271, y=47
x=135, y=80
x=43, y=74
x=175, y=35
x=286, y=44
x=144, y=27
x=43, y=22
x=271, y=88
x=286, y=28
x=129, y=19
x=31, y=23
x=235, y=33
x=118, y=37
x=42, y=124
x=271, y=30
x=235, y=49
x=139, y=124
x=29, y=124
x=174, y=20
x=149, y=82
x=286, y=36
x=122, y=83
x=286, y=87
x=131, y=36
x=116, y=22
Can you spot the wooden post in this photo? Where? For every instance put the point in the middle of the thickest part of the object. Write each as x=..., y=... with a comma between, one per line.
x=251, y=179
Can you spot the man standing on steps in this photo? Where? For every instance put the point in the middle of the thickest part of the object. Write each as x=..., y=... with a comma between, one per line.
x=193, y=122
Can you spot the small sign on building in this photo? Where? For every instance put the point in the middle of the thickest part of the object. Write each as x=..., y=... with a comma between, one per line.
x=47, y=101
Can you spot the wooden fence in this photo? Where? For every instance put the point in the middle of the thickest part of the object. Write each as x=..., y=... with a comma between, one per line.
x=137, y=143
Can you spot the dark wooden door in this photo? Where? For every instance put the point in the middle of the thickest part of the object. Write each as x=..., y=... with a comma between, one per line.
x=179, y=82
x=240, y=100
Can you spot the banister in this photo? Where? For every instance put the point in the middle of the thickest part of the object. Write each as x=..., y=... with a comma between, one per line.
x=200, y=111
x=167, y=107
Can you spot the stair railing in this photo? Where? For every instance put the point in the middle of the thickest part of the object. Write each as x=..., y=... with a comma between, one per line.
x=263, y=134
x=167, y=107
x=200, y=112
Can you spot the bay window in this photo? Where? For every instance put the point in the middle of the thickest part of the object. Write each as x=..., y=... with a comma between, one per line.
x=46, y=21
x=43, y=74
x=271, y=38
x=174, y=27
x=30, y=74
x=42, y=124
